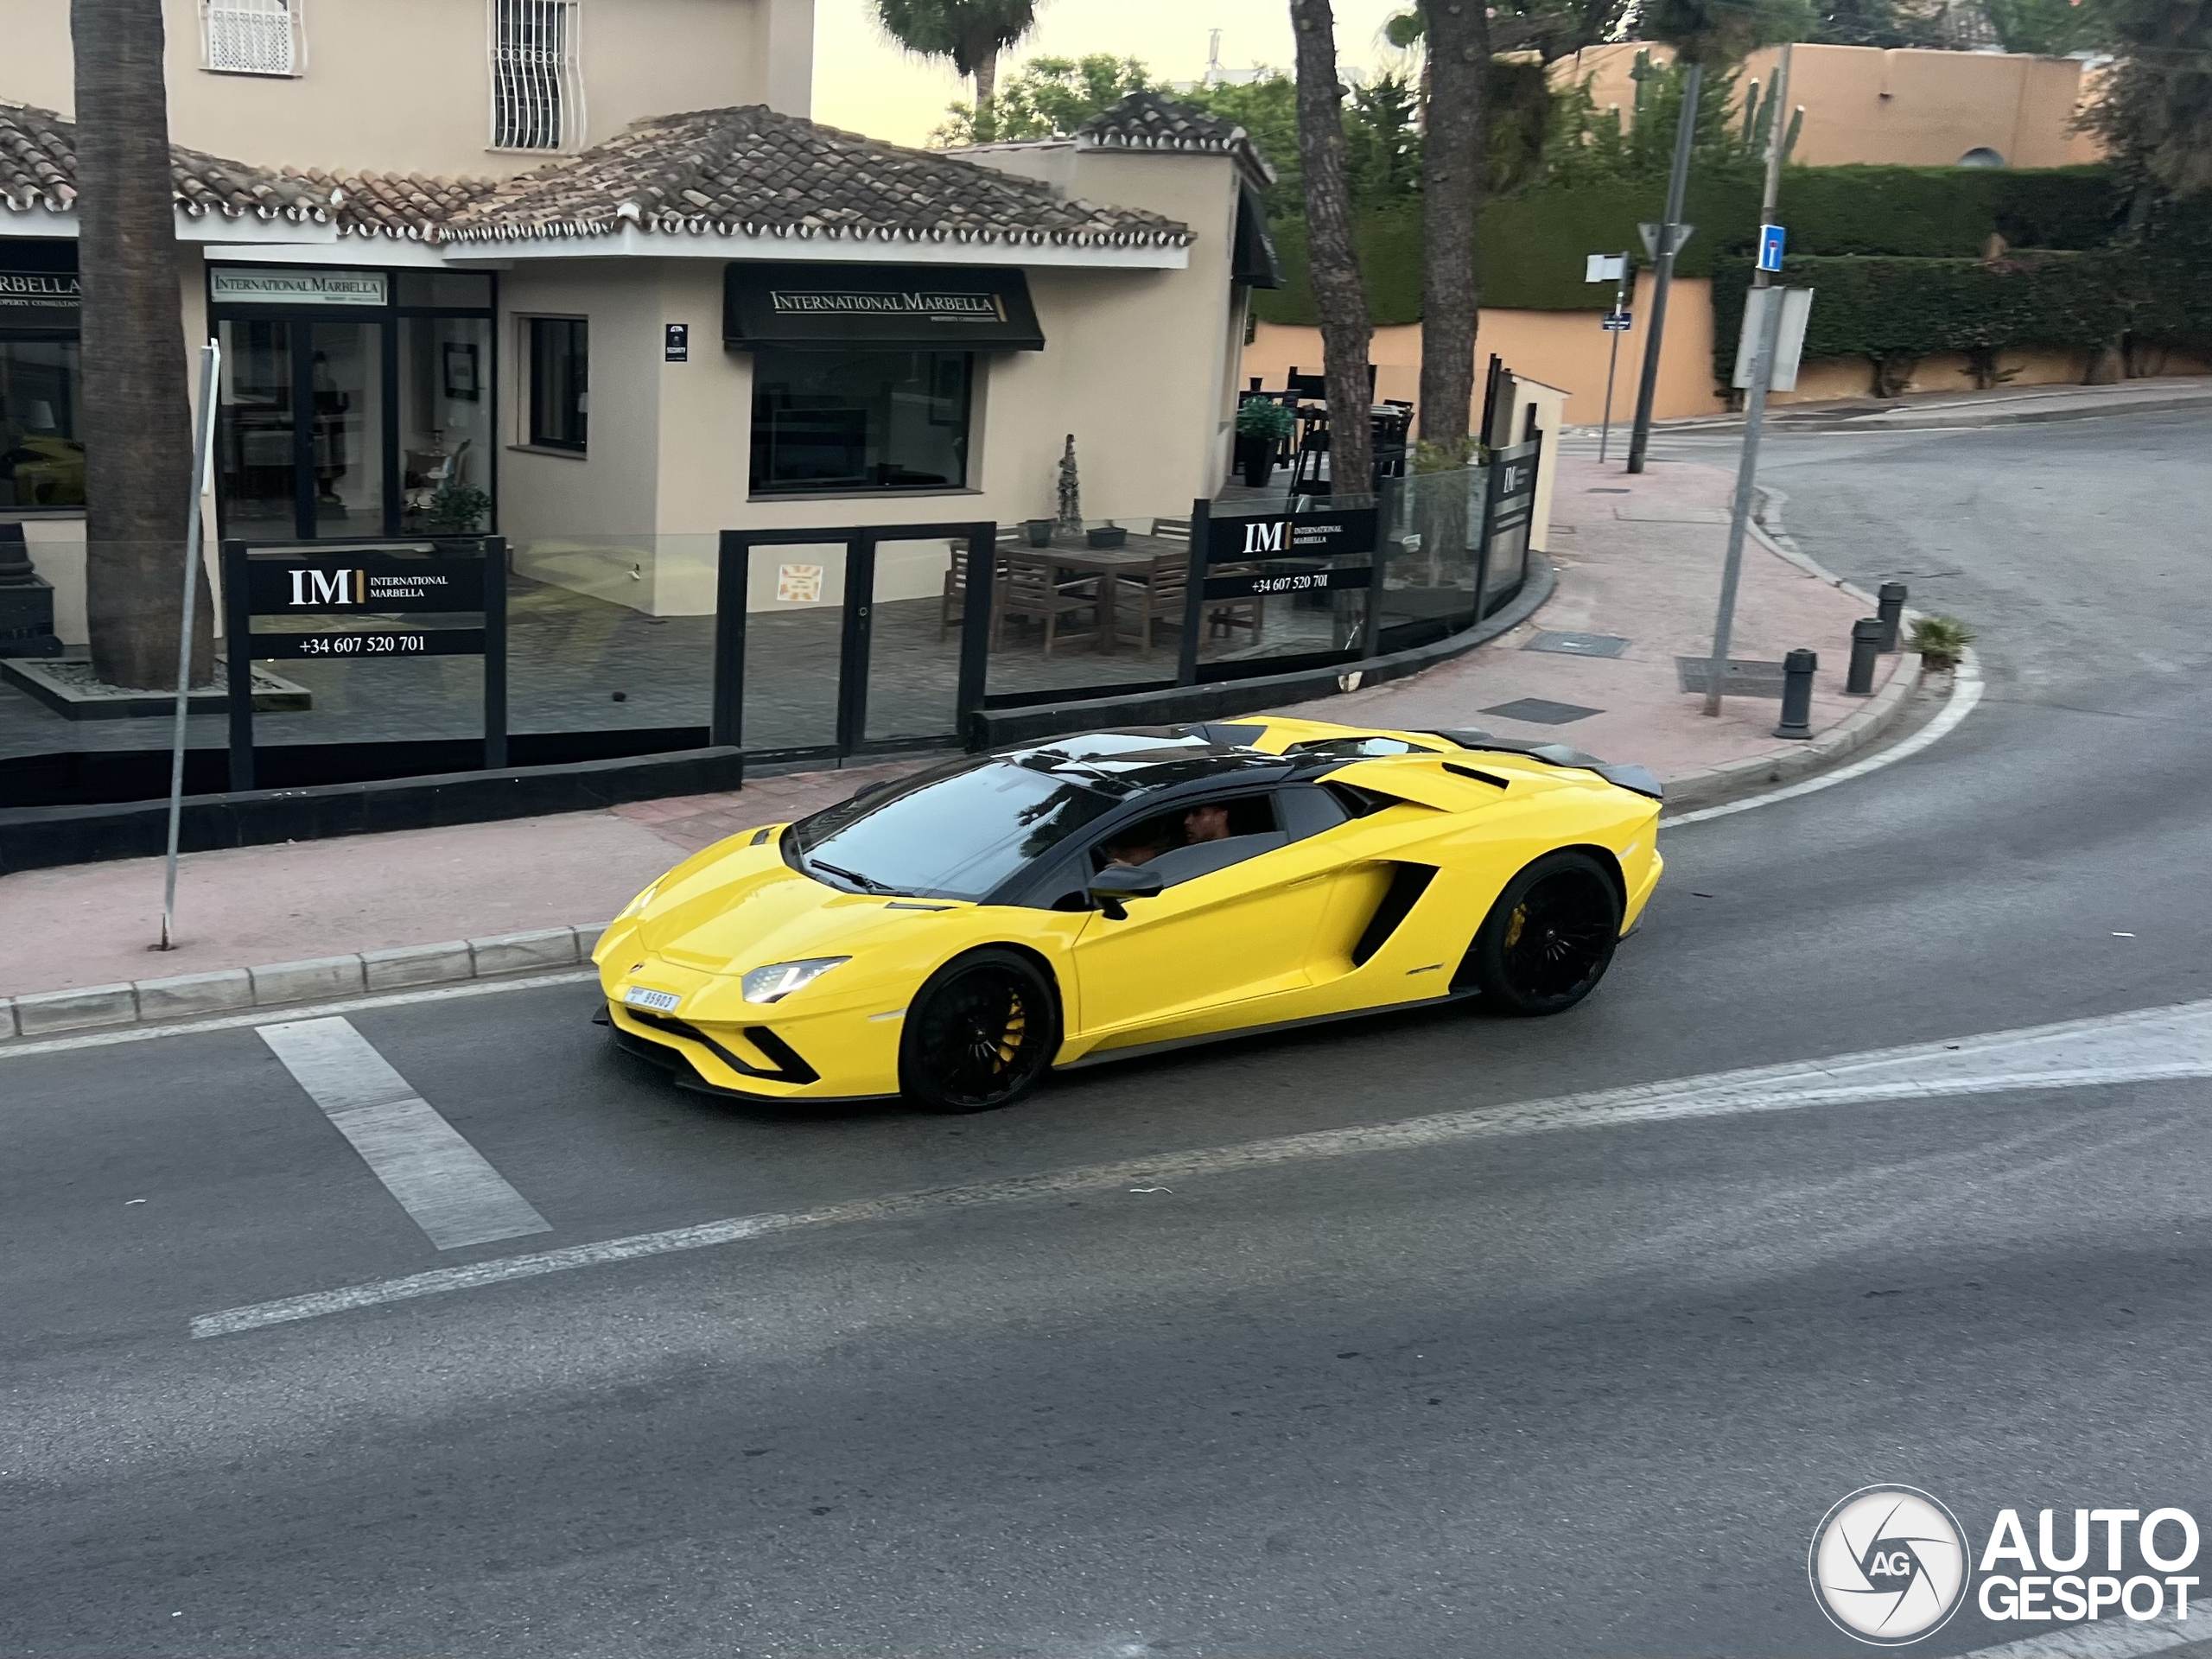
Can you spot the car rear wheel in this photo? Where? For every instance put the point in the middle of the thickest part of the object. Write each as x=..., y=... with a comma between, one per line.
x=1549, y=939
x=981, y=1034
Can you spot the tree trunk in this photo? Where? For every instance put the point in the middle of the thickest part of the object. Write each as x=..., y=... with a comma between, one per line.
x=987, y=93
x=1339, y=296
x=137, y=428
x=1451, y=183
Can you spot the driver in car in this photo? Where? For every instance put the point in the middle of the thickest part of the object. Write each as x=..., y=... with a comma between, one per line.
x=1208, y=822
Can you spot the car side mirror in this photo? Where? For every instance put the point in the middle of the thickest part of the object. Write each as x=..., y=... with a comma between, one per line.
x=1117, y=882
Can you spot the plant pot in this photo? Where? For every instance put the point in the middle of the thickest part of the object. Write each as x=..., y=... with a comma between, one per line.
x=1039, y=530
x=1107, y=535
x=1256, y=459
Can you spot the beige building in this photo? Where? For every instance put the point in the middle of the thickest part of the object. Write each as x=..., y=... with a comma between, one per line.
x=487, y=87
x=730, y=319
x=1901, y=107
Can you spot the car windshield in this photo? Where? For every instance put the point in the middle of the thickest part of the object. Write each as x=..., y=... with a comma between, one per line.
x=947, y=837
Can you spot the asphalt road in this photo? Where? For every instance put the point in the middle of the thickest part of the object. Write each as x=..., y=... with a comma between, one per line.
x=1565, y=1390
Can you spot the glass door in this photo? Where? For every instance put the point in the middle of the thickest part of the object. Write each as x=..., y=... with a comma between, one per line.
x=302, y=431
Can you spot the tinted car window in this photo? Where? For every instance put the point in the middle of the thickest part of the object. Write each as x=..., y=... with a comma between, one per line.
x=955, y=837
x=1308, y=809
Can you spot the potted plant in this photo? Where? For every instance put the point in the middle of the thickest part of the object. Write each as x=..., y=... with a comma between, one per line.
x=458, y=508
x=1262, y=425
x=1941, y=641
x=1039, y=530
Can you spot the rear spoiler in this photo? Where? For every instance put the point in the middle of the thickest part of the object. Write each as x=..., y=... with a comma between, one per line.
x=1638, y=779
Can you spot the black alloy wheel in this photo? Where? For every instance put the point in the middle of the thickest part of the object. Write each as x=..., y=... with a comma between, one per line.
x=981, y=1034
x=1549, y=939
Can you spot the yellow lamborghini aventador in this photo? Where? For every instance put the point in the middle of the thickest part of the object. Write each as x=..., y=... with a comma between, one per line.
x=954, y=936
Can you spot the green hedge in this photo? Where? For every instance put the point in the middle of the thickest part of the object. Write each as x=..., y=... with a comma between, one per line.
x=1866, y=306
x=1531, y=246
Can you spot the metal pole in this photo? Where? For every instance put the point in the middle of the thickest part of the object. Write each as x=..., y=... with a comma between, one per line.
x=1664, y=263
x=203, y=446
x=1754, y=405
x=1613, y=356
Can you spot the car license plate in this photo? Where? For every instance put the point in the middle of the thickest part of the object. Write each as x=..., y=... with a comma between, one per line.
x=638, y=997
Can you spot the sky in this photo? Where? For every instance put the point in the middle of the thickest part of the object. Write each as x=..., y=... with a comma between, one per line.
x=864, y=84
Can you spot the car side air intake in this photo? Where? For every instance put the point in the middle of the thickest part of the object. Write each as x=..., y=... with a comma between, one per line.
x=1407, y=883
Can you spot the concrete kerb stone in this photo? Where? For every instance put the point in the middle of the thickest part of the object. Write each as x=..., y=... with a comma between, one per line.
x=323, y=979
x=1712, y=785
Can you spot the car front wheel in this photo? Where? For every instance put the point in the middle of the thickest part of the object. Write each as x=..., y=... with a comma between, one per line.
x=1549, y=939
x=981, y=1034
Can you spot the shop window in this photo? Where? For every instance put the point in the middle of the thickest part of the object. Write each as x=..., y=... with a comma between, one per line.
x=252, y=37
x=537, y=101
x=42, y=458
x=560, y=382
x=445, y=419
x=855, y=421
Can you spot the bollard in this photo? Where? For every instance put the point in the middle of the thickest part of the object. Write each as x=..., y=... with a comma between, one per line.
x=1866, y=646
x=1889, y=610
x=1797, y=694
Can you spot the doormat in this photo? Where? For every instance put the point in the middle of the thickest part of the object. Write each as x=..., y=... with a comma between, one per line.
x=1742, y=680
x=1578, y=644
x=1541, y=711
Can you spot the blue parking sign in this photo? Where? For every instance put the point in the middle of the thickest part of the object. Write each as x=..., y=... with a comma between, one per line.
x=1771, y=236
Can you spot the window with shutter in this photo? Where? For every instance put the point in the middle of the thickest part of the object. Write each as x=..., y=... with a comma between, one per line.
x=537, y=102
x=252, y=37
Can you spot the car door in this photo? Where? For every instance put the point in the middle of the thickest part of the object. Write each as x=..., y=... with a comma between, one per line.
x=1234, y=924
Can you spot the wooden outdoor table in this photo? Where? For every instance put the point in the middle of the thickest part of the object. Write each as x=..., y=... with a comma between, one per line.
x=1137, y=559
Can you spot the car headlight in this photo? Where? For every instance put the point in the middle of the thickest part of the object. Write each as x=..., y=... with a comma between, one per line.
x=639, y=902
x=780, y=979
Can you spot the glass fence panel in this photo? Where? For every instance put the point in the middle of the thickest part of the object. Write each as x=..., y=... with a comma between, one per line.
x=612, y=635
x=1278, y=606
x=794, y=626
x=913, y=676
x=1430, y=556
x=1077, y=609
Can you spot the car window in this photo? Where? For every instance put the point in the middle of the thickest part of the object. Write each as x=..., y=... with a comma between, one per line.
x=955, y=835
x=1195, y=838
x=1307, y=810
x=1354, y=748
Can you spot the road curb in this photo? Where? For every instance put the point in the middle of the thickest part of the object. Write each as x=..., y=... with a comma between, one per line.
x=320, y=979
x=1713, y=784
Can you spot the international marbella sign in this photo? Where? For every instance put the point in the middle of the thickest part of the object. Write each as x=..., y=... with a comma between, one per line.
x=52, y=291
x=295, y=285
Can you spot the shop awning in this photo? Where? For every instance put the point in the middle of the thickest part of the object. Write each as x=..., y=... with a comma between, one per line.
x=899, y=308
x=1254, y=261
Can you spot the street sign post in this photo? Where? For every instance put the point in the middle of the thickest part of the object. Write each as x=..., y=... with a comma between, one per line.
x=1613, y=267
x=1666, y=241
x=1771, y=307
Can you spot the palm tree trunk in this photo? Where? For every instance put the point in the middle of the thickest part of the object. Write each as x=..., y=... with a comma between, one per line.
x=986, y=92
x=1451, y=183
x=1339, y=296
x=137, y=429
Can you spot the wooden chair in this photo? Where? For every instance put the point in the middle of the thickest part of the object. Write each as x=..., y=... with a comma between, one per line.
x=953, y=606
x=1163, y=593
x=1029, y=589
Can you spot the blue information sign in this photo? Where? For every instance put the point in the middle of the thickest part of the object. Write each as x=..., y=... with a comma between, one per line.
x=1771, y=236
x=1617, y=323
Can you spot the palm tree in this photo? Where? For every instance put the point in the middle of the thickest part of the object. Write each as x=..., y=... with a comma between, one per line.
x=137, y=428
x=972, y=33
x=1457, y=35
x=1339, y=294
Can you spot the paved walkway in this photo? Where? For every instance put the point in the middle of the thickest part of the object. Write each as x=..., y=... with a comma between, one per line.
x=1638, y=559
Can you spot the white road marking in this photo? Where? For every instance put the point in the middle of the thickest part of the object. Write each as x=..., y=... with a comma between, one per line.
x=2152, y=1045
x=443, y=1182
x=10, y=1051
x=1965, y=694
x=2103, y=1638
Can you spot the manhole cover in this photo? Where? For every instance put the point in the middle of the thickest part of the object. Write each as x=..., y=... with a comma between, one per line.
x=1604, y=490
x=1742, y=680
x=1578, y=644
x=1541, y=711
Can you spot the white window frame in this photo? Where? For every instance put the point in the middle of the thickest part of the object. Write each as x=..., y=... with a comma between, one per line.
x=215, y=15
x=537, y=95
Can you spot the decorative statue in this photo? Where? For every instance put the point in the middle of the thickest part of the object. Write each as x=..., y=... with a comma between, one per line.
x=1071, y=492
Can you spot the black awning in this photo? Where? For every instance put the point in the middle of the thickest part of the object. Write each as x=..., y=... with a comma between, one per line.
x=1253, y=261
x=857, y=307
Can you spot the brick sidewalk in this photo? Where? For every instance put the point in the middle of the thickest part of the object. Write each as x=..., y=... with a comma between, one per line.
x=1638, y=558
